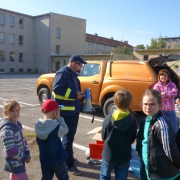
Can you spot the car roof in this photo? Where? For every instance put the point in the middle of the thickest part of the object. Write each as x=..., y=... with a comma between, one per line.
x=164, y=59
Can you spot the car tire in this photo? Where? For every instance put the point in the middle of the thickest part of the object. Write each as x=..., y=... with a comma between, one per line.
x=43, y=95
x=109, y=106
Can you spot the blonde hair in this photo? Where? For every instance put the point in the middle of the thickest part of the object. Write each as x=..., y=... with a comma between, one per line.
x=9, y=105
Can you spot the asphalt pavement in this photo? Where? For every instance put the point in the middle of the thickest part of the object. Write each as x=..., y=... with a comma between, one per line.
x=22, y=87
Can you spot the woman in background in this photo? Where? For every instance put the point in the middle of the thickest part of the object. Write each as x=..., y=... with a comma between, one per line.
x=168, y=91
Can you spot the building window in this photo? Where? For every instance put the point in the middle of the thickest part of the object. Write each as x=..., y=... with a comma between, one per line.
x=20, y=70
x=64, y=62
x=177, y=40
x=12, y=21
x=20, y=40
x=2, y=58
x=176, y=46
x=146, y=57
x=58, y=31
x=2, y=19
x=57, y=49
x=11, y=56
x=2, y=38
x=2, y=71
x=20, y=23
x=170, y=40
x=11, y=69
x=20, y=57
x=169, y=46
x=11, y=38
x=57, y=65
x=29, y=70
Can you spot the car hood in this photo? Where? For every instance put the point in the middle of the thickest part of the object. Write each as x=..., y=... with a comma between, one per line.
x=163, y=59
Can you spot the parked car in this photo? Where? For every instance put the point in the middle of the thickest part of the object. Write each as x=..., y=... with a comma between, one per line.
x=104, y=78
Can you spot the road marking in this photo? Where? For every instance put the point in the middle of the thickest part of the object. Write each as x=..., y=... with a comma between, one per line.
x=17, y=89
x=95, y=119
x=22, y=103
x=83, y=148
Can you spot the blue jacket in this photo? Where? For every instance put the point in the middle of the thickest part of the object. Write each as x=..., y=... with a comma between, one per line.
x=51, y=149
x=64, y=91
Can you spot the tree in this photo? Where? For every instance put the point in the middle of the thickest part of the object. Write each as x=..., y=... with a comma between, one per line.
x=156, y=44
x=161, y=43
x=122, y=50
x=140, y=46
x=176, y=66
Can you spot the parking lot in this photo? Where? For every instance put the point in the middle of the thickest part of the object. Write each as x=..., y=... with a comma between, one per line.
x=23, y=89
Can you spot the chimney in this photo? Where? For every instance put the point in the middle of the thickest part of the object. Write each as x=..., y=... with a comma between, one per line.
x=126, y=42
x=111, y=37
x=95, y=34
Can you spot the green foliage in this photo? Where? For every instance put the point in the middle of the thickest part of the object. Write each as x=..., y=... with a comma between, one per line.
x=140, y=46
x=156, y=44
x=176, y=66
x=122, y=50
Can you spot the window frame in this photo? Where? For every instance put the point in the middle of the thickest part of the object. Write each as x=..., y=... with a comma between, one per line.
x=11, y=38
x=58, y=50
x=12, y=21
x=20, y=58
x=58, y=33
x=21, y=41
x=11, y=56
x=2, y=19
x=2, y=40
x=2, y=58
x=11, y=70
x=2, y=70
x=21, y=23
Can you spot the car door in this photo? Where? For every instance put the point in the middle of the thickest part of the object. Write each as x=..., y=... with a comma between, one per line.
x=91, y=76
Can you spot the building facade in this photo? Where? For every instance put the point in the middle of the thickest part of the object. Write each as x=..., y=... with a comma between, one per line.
x=40, y=44
x=100, y=45
x=172, y=42
x=27, y=42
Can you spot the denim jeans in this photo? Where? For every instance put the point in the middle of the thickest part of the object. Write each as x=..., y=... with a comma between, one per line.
x=60, y=170
x=121, y=170
x=71, y=122
x=172, y=118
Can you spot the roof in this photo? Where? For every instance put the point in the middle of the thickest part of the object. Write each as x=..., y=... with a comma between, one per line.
x=166, y=38
x=107, y=41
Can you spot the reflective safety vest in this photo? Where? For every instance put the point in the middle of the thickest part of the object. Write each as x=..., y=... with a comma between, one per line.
x=68, y=103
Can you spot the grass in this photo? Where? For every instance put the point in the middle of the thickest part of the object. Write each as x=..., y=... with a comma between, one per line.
x=31, y=140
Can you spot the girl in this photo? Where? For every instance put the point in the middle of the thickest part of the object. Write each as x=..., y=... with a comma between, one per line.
x=156, y=144
x=16, y=151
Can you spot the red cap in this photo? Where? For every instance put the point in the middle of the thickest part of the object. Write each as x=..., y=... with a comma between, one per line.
x=49, y=105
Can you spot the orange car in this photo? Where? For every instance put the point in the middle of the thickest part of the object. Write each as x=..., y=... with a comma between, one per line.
x=104, y=78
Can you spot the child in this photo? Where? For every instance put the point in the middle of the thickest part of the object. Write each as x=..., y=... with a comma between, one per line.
x=156, y=143
x=52, y=153
x=16, y=151
x=118, y=133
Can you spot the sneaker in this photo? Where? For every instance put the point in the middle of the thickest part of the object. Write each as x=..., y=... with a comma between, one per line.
x=74, y=171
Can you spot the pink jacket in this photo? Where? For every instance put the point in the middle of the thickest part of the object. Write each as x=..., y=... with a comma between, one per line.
x=171, y=91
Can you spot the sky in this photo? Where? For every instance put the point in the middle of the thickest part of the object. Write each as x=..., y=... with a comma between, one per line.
x=135, y=21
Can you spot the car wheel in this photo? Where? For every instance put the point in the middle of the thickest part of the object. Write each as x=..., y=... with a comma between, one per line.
x=43, y=95
x=109, y=106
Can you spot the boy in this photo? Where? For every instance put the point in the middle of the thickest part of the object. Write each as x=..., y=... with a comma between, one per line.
x=52, y=153
x=118, y=133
